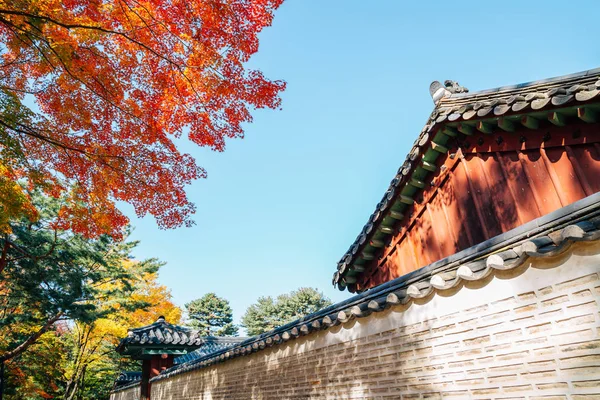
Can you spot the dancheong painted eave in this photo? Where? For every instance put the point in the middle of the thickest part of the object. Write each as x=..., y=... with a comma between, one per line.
x=523, y=110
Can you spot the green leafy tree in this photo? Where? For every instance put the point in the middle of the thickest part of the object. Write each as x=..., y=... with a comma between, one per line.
x=261, y=317
x=38, y=373
x=268, y=314
x=52, y=275
x=52, y=280
x=212, y=316
x=92, y=363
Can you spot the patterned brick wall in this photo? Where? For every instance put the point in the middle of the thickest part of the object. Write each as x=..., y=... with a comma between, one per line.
x=530, y=333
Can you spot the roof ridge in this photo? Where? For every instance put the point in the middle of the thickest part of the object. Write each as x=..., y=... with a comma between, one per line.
x=553, y=80
x=127, y=386
x=162, y=323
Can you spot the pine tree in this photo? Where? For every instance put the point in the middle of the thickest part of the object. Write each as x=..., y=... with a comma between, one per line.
x=65, y=301
x=212, y=316
x=268, y=314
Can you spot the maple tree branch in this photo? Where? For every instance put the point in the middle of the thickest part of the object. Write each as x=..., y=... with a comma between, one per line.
x=173, y=64
x=78, y=79
x=90, y=27
x=14, y=89
x=12, y=28
x=67, y=70
x=39, y=136
x=177, y=66
x=29, y=131
x=16, y=61
x=146, y=24
x=158, y=22
x=43, y=54
x=65, y=147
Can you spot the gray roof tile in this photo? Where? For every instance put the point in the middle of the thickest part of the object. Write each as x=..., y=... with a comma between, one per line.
x=160, y=332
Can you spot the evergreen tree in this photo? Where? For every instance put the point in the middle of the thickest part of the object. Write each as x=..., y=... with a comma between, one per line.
x=261, y=317
x=212, y=316
x=51, y=275
x=268, y=314
x=65, y=301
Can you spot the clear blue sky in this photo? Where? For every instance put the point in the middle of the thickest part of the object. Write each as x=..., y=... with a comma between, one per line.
x=280, y=207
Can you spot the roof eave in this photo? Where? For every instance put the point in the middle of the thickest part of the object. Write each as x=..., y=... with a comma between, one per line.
x=431, y=142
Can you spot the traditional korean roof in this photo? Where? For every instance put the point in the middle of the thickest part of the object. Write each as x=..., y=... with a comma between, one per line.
x=160, y=335
x=457, y=112
x=127, y=378
x=544, y=237
x=210, y=344
x=163, y=336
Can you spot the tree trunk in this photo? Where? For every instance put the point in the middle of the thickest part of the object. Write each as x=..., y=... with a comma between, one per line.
x=74, y=389
x=71, y=389
x=80, y=397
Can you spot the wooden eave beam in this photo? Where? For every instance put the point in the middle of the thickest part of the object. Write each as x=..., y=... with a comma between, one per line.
x=485, y=127
x=530, y=122
x=450, y=131
x=407, y=200
x=465, y=129
x=428, y=166
x=386, y=229
x=416, y=183
x=357, y=268
x=396, y=215
x=557, y=118
x=586, y=114
x=377, y=243
x=367, y=256
x=506, y=125
x=439, y=148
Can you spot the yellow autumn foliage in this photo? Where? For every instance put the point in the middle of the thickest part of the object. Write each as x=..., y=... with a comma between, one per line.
x=92, y=342
x=14, y=202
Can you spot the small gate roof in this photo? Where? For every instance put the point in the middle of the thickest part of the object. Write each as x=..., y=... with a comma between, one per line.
x=159, y=337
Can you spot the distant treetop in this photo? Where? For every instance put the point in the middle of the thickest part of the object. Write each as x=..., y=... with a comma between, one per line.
x=267, y=314
x=211, y=315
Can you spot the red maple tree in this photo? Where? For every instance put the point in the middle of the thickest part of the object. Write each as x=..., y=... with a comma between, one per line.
x=114, y=83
